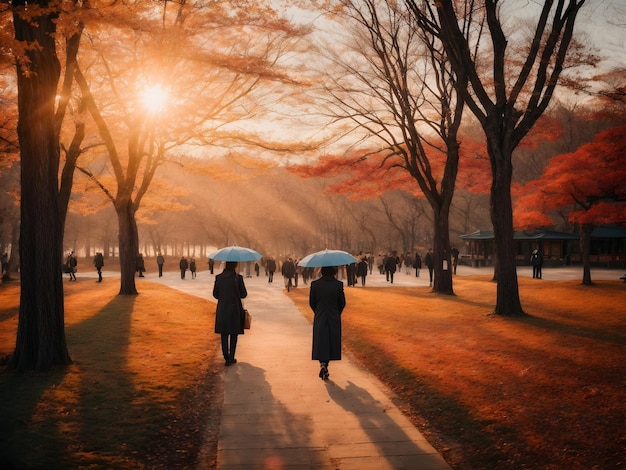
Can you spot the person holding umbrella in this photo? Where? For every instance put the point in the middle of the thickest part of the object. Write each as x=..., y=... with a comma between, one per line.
x=327, y=300
x=229, y=289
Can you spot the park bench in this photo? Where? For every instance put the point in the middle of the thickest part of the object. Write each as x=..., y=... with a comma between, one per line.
x=623, y=278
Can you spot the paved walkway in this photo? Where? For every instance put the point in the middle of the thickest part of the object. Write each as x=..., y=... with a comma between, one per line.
x=277, y=413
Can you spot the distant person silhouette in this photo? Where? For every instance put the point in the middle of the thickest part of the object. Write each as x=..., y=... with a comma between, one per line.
x=98, y=262
x=183, y=265
x=160, y=262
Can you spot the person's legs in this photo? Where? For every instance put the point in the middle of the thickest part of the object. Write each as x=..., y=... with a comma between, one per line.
x=228, y=350
x=233, y=347
x=225, y=353
x=324, y=370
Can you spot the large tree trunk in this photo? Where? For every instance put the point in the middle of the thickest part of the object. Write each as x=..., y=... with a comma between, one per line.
x=442, y=283
x=41, y=341
x=586, y=253
x=128, y=246
x=505, y=270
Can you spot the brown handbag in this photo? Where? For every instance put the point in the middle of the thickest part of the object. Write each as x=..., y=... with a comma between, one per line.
x=246, y=317
x=247, y=320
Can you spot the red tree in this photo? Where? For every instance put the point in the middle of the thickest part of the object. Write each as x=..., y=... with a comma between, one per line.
x=589, y=185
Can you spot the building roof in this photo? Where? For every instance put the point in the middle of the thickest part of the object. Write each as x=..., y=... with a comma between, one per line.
x=545, y=235
x=609, y=231
x=526, y=235
x=478, y=235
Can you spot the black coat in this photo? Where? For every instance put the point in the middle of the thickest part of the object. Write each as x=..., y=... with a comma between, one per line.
x=417, y=262
x=391, y=262
x=327, y=300
x=289, y=269
x=362, y=268
x=229, y=289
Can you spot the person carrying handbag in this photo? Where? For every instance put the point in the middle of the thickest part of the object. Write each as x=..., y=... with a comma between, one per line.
x=229, y=289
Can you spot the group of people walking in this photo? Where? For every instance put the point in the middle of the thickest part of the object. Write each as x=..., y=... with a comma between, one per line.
x=326, y=299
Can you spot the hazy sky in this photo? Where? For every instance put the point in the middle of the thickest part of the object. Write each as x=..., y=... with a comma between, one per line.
x=604, y=23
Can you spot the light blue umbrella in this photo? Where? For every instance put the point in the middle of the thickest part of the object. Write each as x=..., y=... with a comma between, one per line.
x=327, y=258
x=235, y=253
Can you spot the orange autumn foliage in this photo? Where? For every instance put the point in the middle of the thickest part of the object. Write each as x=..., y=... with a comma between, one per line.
x=588, y=184
x=369, y=173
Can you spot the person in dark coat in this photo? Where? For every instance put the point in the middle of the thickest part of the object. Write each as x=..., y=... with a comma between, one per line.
x=417, y=264
x=351, y=274
x=288, y=271
x=98, y=262
x=183, y=264
x=536, y=259
x=429, y=261
x=361, y=270
x=271, y=268
x=72, y=263
x=229, y=289
x=391, y=263
x=141, y=265
x=327, y=300
x=160, y=262
x=192, y=267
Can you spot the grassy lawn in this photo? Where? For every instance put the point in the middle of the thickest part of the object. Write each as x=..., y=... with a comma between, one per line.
x=142, y=388
x=544, y=391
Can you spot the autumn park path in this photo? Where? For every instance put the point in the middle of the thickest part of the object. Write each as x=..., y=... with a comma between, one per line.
x=277, y=413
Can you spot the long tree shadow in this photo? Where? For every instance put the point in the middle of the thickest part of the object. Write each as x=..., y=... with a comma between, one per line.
x=106, y=393
x=20, y=430
x=457, y=429
x=600, y=334
x=253, y=418
x=394, y=444
x=84, y=415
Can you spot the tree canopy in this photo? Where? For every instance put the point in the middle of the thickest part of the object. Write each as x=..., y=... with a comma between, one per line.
x=587, y=185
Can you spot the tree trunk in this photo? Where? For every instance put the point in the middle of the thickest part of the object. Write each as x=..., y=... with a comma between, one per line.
x=586, y=252
x=442, y=282
x=505, y=271
x=128, y=245
x=41, y=341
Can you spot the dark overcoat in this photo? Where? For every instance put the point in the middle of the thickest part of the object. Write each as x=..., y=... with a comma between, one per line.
x=229, y=289
x=327, y=300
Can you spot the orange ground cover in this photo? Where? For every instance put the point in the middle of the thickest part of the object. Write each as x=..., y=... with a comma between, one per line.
x=544, y=391
x=136, y=393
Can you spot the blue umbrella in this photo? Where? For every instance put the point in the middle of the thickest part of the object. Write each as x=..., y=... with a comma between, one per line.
x=327, y=258
x=235, y=253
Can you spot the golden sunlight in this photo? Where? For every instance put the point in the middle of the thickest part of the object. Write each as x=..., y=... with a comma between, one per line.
x=154, y=98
